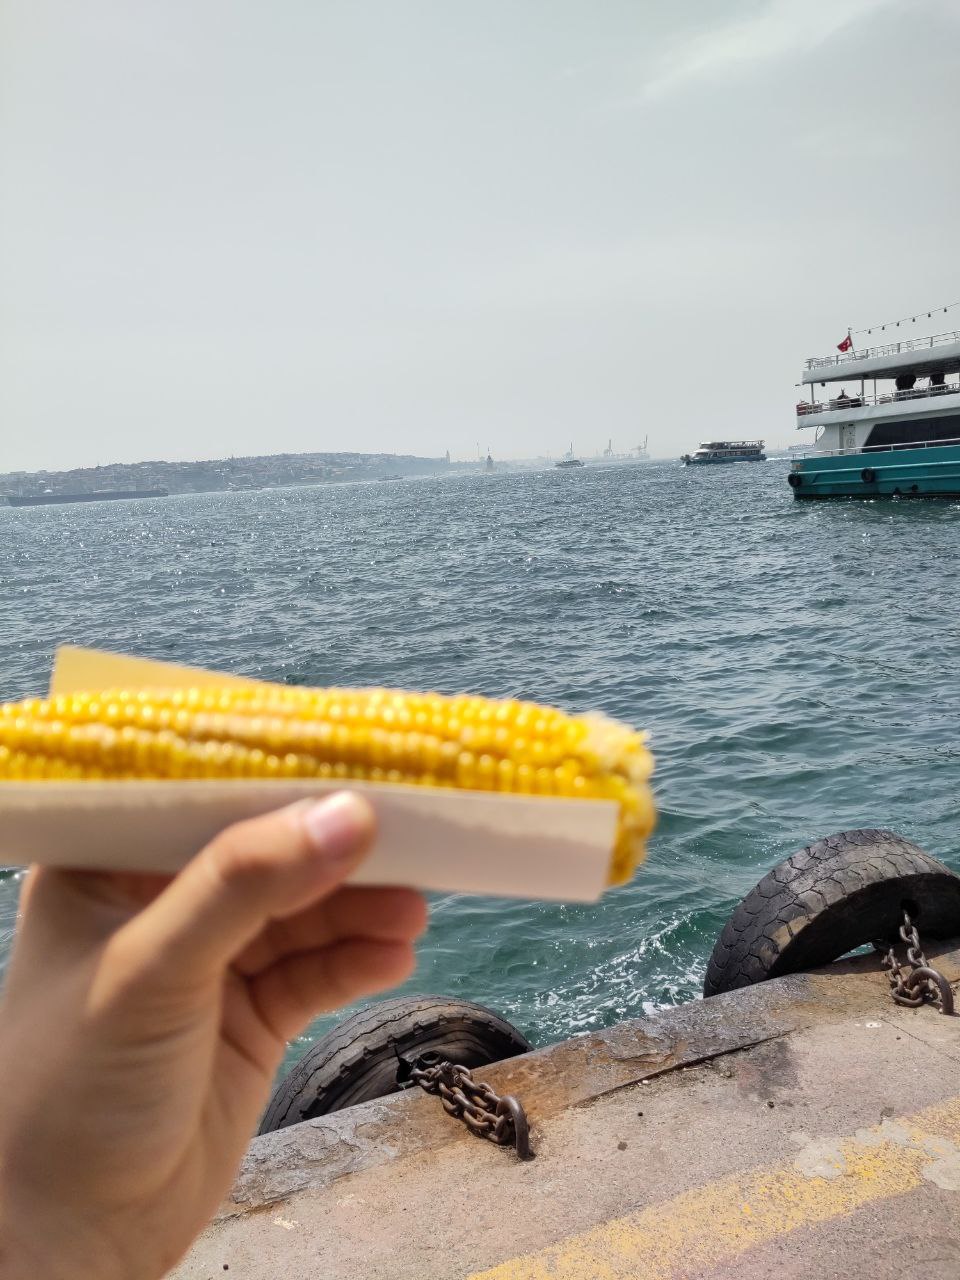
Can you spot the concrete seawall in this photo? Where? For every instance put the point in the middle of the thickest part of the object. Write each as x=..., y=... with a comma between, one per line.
x=805, y=1126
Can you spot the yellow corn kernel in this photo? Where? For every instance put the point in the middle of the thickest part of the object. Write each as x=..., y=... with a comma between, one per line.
x=380, y=735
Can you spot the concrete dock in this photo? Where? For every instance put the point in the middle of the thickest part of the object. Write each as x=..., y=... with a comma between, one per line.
x=807, y=1126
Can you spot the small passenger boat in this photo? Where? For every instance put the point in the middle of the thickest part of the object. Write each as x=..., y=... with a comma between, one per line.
x=568, y=460
x=720, y=451
x=897, y=435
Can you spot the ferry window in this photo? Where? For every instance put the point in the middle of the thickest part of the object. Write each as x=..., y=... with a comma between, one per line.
x=913, y=432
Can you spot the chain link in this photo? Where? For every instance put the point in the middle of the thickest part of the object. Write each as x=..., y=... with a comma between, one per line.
x=920, y=984
x=482, y=1110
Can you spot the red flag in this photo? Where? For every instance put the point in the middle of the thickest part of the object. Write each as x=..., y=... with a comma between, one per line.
x=846, y=344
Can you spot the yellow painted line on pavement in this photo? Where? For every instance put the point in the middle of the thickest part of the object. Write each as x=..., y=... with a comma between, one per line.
x=718, y=1221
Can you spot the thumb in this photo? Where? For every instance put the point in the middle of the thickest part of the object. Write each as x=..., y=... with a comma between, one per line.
x=254, y=872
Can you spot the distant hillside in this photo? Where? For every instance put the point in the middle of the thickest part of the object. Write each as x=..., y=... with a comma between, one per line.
x=218, y=474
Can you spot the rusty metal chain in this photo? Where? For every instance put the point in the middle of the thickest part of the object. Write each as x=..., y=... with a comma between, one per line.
x=482, y=1110
x=920, y=984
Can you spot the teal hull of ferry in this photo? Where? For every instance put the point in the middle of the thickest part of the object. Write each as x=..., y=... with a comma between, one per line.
x=893, y=473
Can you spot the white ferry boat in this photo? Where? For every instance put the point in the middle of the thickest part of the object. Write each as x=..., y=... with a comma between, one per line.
x=719, y=451
x=569, y=460
x=893, y=429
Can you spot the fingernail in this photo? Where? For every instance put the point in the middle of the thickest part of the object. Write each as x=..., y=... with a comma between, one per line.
x=339, y=826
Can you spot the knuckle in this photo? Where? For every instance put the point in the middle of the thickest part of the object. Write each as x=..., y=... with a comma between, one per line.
x=237, y=862
x=251, y=852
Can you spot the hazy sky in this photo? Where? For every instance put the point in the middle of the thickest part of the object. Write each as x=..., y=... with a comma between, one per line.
x=230, y=226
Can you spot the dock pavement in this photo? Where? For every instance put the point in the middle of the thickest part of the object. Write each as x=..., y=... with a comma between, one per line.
x=804, y=1127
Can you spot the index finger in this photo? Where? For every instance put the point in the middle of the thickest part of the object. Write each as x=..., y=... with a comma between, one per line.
x=377, y=913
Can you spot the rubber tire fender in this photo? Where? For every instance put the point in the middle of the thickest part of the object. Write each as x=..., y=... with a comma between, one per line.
x=357, y=1060
x=794, y=479
x=837, y=894
x=868, y=475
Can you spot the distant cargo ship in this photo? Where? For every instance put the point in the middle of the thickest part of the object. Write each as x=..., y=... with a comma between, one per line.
x=101, y=495
x=610, y=458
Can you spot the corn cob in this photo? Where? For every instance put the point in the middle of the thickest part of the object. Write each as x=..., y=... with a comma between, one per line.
x=374, y=735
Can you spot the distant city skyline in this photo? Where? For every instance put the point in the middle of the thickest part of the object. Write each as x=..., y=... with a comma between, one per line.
x=240, y=463
x=452, y=459
x=238, y=229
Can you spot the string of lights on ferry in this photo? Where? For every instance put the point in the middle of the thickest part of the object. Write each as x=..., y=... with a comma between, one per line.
x=895, y=324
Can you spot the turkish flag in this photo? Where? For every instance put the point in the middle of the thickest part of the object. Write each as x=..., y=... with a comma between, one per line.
x=846, y=344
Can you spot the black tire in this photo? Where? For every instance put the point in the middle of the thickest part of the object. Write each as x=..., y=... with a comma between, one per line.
x=794, y=480
x=868, y=475
x=829, y=898
x=357, y=1060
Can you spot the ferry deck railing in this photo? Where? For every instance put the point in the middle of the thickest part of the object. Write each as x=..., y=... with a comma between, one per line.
x=729, y=444
x=876, y=448
x=892, y=349
x=805, y=407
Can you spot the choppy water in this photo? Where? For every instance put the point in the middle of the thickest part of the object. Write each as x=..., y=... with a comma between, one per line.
x=795, y=665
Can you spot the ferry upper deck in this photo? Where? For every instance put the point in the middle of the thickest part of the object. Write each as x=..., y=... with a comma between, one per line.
x=924, y=377
x=937, y=354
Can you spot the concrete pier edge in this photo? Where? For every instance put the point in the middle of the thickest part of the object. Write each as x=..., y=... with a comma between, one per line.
x=318, y=1153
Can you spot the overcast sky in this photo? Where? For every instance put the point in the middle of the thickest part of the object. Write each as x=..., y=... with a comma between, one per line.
x=230, y=226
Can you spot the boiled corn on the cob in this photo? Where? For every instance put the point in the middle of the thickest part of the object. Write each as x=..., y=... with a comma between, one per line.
x=374, y=735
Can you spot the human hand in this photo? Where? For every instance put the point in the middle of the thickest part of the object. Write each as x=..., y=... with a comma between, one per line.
x=144, y=1018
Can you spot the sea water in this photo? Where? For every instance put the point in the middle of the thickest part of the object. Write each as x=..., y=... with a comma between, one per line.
x=795, y=665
